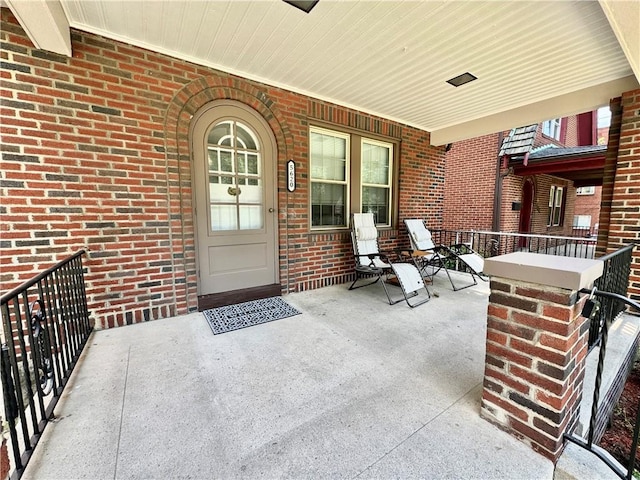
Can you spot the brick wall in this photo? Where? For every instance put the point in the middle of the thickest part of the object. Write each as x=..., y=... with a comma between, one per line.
x=535, y=356
x=95, y=155
x=470, y=173
x=624, y=190
x=589, y=205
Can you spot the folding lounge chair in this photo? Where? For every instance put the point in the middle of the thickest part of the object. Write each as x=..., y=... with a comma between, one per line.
x=370, y=262
x=435, y=257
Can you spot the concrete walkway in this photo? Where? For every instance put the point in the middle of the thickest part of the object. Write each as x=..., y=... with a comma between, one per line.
x=351, y=388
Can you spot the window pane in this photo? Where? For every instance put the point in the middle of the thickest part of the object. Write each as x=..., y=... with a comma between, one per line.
x=221, y=189
x=327, y=204
x=245, y=138
x=552, y=194
x=223, y=217
x=250, y=193
x=214, y=160
x=582, y=221
x=252, y=164
x=226, y=162
x=375, y=164
x=221, y=134
x=376, y=200
x=559, y=197
x=328, y=157
x=251, y=217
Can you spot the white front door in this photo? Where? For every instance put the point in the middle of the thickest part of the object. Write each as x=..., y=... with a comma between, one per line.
x=235, y=198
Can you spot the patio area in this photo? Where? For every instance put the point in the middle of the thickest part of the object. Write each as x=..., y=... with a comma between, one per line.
x=351, y=388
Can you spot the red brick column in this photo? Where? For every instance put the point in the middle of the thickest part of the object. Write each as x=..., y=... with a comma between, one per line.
x=536, y=346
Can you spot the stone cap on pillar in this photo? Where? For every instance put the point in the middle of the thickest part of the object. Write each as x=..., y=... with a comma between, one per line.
x=555, y=271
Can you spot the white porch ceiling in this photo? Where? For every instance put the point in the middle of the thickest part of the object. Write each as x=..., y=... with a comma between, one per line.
x=534, y=59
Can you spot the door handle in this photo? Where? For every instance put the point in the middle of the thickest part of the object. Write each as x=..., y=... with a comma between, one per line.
x=271, y=210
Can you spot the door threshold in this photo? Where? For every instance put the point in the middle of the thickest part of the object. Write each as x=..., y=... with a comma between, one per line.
x=232, y=297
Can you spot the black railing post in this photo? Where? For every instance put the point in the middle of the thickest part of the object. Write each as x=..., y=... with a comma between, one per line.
x=52, y=307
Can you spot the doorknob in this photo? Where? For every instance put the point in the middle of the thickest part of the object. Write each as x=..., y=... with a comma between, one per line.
x=271, y=210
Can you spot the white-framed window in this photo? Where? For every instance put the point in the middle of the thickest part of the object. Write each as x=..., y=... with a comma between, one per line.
x=329, y=155
x=556, y=206
x=349, y=173
x=585, y=190
x=582, y=221
x=376, y=175
x=551, y=128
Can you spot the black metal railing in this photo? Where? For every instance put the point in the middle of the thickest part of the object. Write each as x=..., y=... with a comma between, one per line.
x=45, y=327
x=614, y=279
x=490, y=244
x=611, y=302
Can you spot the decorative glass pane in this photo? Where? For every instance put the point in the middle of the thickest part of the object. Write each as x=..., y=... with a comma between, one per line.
x=252, y=164
x=221, y=135
x=223, y=217
x=327, y=204
x=328, y=157
x=375, y=164
x=251, y=217
x=235, y=188
x=214, y=161
x=250, y=193
x=221, y=189
x=245, y=138
x=226, y=162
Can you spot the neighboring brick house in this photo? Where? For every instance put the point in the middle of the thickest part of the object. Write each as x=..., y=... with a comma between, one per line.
x=503, y=182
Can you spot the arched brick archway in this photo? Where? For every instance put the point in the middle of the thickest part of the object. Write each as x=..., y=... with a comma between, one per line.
x=178, y=155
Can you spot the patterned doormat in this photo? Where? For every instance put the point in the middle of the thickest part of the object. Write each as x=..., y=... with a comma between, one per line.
x=234, y=317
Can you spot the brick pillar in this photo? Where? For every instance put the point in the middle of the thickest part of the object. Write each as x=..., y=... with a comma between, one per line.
x=536, y=346
x=624, y=224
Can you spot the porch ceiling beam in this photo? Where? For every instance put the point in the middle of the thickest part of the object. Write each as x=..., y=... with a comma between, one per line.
x=45, y=23
x=624, y=16
x=569, y=104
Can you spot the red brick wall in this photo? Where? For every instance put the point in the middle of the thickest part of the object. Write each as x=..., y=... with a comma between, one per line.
x=589, y=205
x=535, y=357
x=470, y=172
x=624, y=224
x=95, y=154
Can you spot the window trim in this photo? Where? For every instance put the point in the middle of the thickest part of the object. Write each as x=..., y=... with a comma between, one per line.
x=354, y=200
x=390, y=182
x=347, y=181
x=556, y=204
x=552, y=128
x=590, y=190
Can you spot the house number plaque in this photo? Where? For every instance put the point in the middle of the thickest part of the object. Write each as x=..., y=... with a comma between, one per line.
x=291, y=176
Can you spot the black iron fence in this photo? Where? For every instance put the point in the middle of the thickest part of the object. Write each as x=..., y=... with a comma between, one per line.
x=490, y=244
x=609, y=303
x=45, y=327
x=614, y=279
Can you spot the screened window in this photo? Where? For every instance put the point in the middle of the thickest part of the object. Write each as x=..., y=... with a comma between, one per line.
x=551, y=128
x=349, y=173
x=556, y=206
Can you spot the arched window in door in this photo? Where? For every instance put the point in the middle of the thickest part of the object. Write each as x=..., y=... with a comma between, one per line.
x=236, y=194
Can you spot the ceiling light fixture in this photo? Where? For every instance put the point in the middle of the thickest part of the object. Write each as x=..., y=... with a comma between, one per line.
x=462, y=79
x=304, y=5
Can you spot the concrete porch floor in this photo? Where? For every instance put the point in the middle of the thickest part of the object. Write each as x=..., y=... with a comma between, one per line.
x=351, y=388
